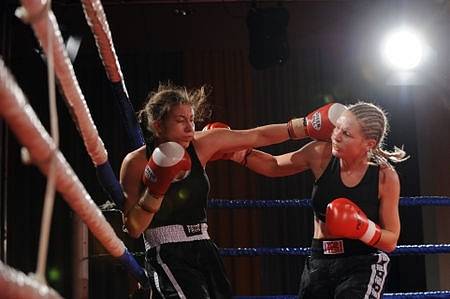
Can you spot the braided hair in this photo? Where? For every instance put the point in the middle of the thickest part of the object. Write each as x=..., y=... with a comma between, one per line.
x=374, y=125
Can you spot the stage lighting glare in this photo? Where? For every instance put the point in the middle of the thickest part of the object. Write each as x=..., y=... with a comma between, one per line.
x=403, y=50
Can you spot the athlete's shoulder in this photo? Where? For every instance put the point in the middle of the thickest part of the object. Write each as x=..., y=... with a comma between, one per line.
x=135, y=156
x=388, y=174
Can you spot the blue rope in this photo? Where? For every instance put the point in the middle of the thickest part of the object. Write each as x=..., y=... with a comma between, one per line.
x=291, y=251
x=246, y=203
x=425, y=201
x=133, y=267
x=421, y=249
x=110, y=184
x=433, y=294
x=258, y=251
x=129, y=120
x=306, y=202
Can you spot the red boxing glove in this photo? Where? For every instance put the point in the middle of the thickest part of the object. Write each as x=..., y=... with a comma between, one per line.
x=215, y=125
x=320, y=123
x=345, y=219
x=168, y=161
x=239, y=157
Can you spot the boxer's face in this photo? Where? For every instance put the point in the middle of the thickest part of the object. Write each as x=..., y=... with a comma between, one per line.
x=178, y=125
x=348, y=140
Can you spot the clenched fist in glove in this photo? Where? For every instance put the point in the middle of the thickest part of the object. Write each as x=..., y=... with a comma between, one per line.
x=168, y=162
x=215, y=125
x=318, y=124
x=345, y=219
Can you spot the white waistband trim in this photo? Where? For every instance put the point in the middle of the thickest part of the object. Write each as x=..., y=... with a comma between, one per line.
x=175, y=233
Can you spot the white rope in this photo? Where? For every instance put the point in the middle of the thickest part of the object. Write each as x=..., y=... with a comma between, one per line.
x=50, y=188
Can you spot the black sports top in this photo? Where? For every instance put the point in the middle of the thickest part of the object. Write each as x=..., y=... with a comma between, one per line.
x=330, y=186
x=186, y=200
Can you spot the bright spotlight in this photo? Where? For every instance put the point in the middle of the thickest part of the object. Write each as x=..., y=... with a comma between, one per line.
x=403, y=49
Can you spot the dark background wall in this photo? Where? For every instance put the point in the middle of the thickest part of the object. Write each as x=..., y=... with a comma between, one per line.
x=333, y=54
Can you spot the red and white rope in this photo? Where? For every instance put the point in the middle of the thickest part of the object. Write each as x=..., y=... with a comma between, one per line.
x=41, y=19
x=96, y=19
x=24, y=123
x=16, y=285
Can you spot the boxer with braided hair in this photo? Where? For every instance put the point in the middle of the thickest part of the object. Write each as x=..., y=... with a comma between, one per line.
x=355, y=202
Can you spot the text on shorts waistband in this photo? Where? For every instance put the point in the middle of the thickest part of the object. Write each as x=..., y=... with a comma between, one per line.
x=328, y=248
x=176, y=233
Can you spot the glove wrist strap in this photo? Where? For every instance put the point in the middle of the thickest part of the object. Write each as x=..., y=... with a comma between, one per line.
x=148, y=203
x=294, y=125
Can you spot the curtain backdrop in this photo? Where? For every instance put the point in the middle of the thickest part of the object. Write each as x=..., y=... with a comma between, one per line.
x=281, y=93
x=228, y=73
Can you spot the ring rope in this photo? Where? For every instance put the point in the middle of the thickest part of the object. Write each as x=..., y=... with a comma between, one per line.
x=299, y=251
x=15, y=285
x=66, y=76
x=49, y=198
x=30, y=132
x=96, y=19
x=46, y=28
x=409, y=295
x=400, y=250
x=306, y=202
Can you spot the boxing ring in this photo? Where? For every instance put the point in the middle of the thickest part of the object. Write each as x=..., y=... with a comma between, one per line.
x=23, y=122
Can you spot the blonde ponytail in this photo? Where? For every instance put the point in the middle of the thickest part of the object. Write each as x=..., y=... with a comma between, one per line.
x=374, y=125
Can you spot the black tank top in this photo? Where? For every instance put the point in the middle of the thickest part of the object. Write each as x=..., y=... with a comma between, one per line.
x=330, y=186
x=186, y=200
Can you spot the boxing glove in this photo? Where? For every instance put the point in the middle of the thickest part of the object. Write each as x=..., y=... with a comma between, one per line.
x=215, y=125
x=168, y=161
x=239, y=157
x=345, y=219
x=318, y=124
